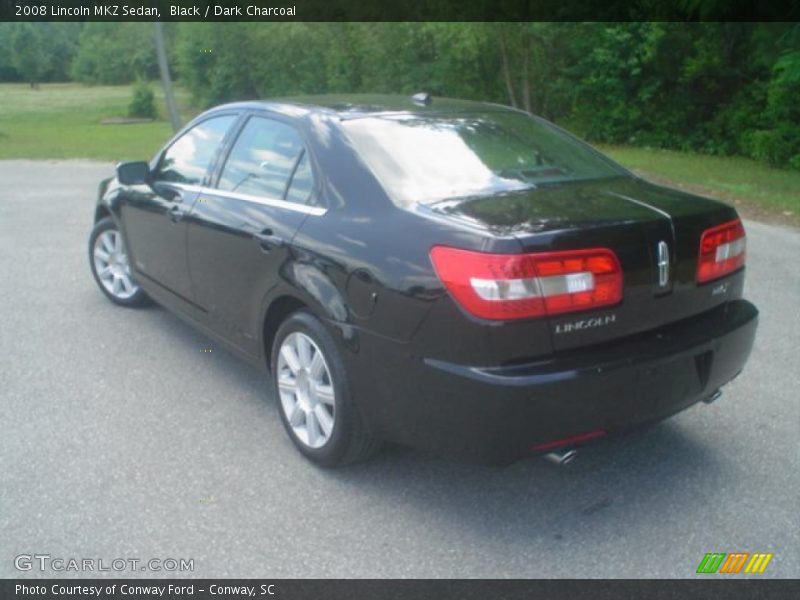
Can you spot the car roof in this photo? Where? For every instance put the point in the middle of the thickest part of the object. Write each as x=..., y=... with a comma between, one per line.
x=349, y=106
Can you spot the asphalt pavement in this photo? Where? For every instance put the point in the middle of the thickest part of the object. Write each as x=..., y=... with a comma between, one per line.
x=120, y=437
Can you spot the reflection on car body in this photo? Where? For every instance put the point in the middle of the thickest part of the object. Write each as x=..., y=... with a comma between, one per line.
x=454, y=276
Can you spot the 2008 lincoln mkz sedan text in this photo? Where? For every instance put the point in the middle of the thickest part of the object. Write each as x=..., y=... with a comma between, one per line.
x=454, y=276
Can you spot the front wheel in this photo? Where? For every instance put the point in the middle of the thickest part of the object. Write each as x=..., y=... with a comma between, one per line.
x=108, y=259
x=313, y=394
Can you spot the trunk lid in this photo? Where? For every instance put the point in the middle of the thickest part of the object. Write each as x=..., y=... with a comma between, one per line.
x=655, y=233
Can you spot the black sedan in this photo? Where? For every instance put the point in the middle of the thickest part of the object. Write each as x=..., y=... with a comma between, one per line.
x=454, y=276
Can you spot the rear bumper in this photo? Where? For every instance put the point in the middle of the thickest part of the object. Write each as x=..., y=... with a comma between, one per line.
x=499, y=414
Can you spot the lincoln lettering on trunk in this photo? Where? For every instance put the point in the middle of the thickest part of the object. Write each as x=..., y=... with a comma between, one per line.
x=585, y=324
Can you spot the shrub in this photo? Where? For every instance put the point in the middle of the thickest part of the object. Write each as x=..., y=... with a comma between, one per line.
x=779, y=147
x=143, y=102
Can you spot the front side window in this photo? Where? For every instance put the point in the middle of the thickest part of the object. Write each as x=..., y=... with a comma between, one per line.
x=188, y=158
x=425, y=159
x=266, y=157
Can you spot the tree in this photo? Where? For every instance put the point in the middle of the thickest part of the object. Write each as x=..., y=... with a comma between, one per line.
x=44, y=50
x=722, y=88
x=8, y=71
x=115, y=53
x=27, y=55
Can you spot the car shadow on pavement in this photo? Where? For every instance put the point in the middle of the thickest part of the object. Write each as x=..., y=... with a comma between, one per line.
x=615, y=483
x=637, y=477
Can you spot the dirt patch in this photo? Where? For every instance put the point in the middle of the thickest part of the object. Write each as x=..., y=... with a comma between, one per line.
x=746, y=207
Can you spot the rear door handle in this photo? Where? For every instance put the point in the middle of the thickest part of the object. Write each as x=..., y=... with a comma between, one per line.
x=268, y=240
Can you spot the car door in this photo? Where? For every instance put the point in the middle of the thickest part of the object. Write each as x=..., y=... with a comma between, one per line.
x=240, y=229
x=153, y=216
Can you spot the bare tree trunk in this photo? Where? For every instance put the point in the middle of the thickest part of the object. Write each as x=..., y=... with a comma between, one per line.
x=526, y=57
x=166, y=80
x=506, y=73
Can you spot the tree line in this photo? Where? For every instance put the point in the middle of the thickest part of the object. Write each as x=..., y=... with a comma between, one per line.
x=717, y=88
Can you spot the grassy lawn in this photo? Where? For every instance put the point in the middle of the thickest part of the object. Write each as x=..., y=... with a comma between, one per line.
x=63, y=121
x=753, y=187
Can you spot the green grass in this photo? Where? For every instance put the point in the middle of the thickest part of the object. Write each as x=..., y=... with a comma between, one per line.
x=63, y=121
x=737, y=180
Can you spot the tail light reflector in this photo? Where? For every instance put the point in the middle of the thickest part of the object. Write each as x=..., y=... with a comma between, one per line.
x=575, y=439
x=519, y=286
x=722, y=251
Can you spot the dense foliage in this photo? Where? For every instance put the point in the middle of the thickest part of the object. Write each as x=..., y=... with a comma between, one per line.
x=35, y=52
x=110, y=53
x=719, y=88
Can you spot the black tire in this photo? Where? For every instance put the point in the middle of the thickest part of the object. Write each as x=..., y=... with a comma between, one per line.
x=137, y=298
x=350, y=440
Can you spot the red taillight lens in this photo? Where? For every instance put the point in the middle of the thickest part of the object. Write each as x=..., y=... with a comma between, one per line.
x=519, y=286
x=722, y=251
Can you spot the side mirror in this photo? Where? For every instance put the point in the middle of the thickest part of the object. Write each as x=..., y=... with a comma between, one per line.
x=133, y=173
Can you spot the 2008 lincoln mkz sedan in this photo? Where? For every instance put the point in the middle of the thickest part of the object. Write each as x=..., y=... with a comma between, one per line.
x=454, y=276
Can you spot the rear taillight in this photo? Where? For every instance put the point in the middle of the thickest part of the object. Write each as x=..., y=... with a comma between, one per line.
x=519, y=286
x=722, y=250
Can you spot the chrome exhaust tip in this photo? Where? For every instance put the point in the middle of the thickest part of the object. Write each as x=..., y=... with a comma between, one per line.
x=562, y=457
x=713, y=397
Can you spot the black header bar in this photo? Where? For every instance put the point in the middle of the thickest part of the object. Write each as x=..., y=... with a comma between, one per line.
x=398, y=10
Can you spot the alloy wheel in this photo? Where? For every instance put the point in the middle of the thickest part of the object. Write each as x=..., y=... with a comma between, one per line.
x=111, y=265
x=306, y=390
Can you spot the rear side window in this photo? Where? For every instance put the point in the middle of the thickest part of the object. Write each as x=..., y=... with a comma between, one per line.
x=268, y=160
x=302, y=182
x=188, y=158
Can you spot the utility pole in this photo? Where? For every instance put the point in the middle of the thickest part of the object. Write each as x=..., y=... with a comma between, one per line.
x=166, y=80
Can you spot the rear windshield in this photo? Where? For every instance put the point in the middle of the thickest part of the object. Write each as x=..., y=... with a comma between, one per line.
x=426, y=159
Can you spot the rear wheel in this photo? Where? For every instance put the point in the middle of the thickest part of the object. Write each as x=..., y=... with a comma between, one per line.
x=313, y=394
x=108, y=258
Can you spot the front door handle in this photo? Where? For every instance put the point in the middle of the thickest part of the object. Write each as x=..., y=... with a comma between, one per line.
x=176, y=213
x=268, y=240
